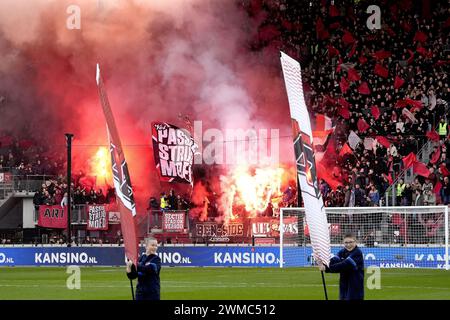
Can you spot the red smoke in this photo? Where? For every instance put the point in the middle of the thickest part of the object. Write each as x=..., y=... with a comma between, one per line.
x=158, y=59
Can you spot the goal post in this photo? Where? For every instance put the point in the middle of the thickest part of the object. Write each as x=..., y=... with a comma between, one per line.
x=390, y=237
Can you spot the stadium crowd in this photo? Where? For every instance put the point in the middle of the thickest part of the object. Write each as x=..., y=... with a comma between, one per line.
x=390, y=85
x=55, y=193
x=29, y=163
x=26, y=157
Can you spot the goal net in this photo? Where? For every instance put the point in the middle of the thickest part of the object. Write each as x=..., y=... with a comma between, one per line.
x=389, y=237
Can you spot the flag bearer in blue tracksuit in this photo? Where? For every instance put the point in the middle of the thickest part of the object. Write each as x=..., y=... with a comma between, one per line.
x=147, y=272
x=349, y=262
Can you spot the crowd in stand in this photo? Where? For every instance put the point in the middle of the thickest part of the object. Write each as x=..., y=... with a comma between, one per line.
x=22, y=159
x=391, y=82
x=169, y=201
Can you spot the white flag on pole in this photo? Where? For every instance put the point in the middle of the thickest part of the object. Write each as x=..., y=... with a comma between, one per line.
x=306, y=165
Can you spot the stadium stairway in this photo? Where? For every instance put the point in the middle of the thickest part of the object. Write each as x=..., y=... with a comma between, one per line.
x=6, y=188
x=6, y=205
x=407, y=174
x=6, y=192
x=13, y=210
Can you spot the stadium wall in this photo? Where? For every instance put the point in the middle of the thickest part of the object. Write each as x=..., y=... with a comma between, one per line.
x=394, y=257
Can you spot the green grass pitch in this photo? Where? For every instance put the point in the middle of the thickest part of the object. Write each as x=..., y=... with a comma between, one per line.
x=108, y=283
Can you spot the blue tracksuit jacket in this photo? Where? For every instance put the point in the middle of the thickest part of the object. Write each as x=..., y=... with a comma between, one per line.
x=147, y=272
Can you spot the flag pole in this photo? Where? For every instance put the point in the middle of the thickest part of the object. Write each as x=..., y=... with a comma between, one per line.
x=69, y=137
x=324, y=286
x=305, y=162
x=132, y=290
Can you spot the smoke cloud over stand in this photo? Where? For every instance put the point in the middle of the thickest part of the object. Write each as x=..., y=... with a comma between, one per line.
x=159, y=59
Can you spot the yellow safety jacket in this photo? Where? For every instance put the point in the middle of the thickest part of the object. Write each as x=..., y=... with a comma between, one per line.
x=164, y=203
x=443, y=129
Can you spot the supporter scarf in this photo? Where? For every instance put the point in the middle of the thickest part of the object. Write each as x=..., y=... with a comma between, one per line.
x=411, y=56
x=344, y=85
x=362, y=125
x=416, y=104
x=343, y=102
x=345, y=150
x=348, y=38
x=324, y=173
x=420, y=37
x=364, y=88
x=362, y=59
x=436, y=156
x=421, y=169
x=334, y=12
x=375, y=112
x=383, y=141
x=353, y=75
x=444, y=170
x=424, y=52
x=381, y=71
x=398, y=82
x=321, y=31
x=409, y=160
x=388, y=177
x=332, y=51
x=437, y=187
x=344, y=112
x=432, y=135
x=353, y=50
x=382, y=54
